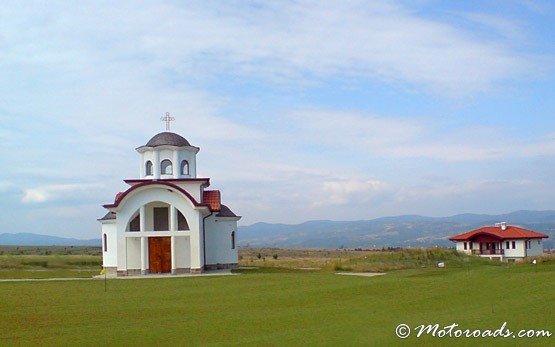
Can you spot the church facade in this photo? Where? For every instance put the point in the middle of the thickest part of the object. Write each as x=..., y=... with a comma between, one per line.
x=167, y=221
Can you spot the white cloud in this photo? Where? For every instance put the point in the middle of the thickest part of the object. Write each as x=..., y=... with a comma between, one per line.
x=34, y=196
x=349, y=191
x=8, y=187
x=54, y=192
x=291, y=41
x=420, y=137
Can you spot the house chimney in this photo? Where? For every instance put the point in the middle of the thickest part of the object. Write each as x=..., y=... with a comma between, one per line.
x=502, y=225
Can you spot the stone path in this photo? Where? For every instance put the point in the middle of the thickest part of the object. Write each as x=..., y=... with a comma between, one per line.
x=140, y=277
x=362, y=274
x=46, y=279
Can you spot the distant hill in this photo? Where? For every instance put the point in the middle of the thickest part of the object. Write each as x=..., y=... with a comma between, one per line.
x=403, y=231
x=28, y=239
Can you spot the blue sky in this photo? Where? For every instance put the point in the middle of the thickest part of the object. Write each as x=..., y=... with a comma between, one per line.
x=303, y=109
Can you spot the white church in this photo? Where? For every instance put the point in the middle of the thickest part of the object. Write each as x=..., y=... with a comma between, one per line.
x=167, y=221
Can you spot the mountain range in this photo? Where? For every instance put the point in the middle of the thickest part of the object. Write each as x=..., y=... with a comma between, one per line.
x=398, y=231
x=29, y=239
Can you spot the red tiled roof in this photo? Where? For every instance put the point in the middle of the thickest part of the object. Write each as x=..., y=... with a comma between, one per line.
x=511, y=232
x=212, y=199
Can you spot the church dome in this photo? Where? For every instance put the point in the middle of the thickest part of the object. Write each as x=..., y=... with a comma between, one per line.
x=167, y=139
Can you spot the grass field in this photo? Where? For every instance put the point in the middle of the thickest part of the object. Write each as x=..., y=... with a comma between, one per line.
x=38, y=265
x=350, y=260
x=279, y=306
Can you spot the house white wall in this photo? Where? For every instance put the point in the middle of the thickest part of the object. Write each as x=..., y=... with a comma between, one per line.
x=183, y=253
x=160, y=193
x=536, y=247
x=518, y=252
x=218, y=240
x=459, y=246
x=109, y=258
x=194, y=188
x=174, y=154
x=133, y=255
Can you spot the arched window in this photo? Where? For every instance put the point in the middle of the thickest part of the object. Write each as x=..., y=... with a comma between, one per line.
x=135, y=224
x=233, y=240
x=105, y=243
x=184, y=167
x=166, y=167
x=148, y=168
x=181, y=221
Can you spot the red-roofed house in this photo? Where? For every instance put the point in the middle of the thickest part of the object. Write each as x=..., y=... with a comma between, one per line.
x=502, y=241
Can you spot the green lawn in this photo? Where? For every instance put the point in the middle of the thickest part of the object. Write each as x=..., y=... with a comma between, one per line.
x=48, y=266
x=281, y=308
x=47, y=273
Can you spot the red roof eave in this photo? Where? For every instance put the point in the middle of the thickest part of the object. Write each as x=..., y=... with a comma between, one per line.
x=120, y=196
x=141, y=180
x=511, y=232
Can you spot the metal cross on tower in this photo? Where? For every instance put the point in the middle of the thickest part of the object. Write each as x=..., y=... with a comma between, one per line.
x=167, y=119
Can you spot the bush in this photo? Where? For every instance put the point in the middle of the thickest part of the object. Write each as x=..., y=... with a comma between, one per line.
x=338, y=266
x=41, y=263
x=275, y=256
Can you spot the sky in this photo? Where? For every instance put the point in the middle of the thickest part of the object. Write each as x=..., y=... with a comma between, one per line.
x=303, y=110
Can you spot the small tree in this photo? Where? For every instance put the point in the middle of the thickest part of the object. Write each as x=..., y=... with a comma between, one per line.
x=259, y=256
x=275, y=256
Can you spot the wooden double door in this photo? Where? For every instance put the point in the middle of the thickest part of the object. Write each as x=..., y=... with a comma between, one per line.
x=159, y=254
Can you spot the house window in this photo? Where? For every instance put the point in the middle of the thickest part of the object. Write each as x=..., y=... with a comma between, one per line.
x=181, y=221
x=148, y=168
x=507, y=245
x=465, y=246
x=527, y=244
x=184, y=167
x=470, y=245
x=161, y=218
x=135, y=224
x=105, y=243
x=514, y=244
x=233, y=240
x=166, y=167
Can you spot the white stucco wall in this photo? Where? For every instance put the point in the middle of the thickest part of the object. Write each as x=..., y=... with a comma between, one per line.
x=536, y=247
x=193, y=188
x=518, y=252
x=459, y=246
x=109, y=258
x=183, y=253
x=218, y=241
x=144, y=196
x=133, y=258
x=175, y=154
